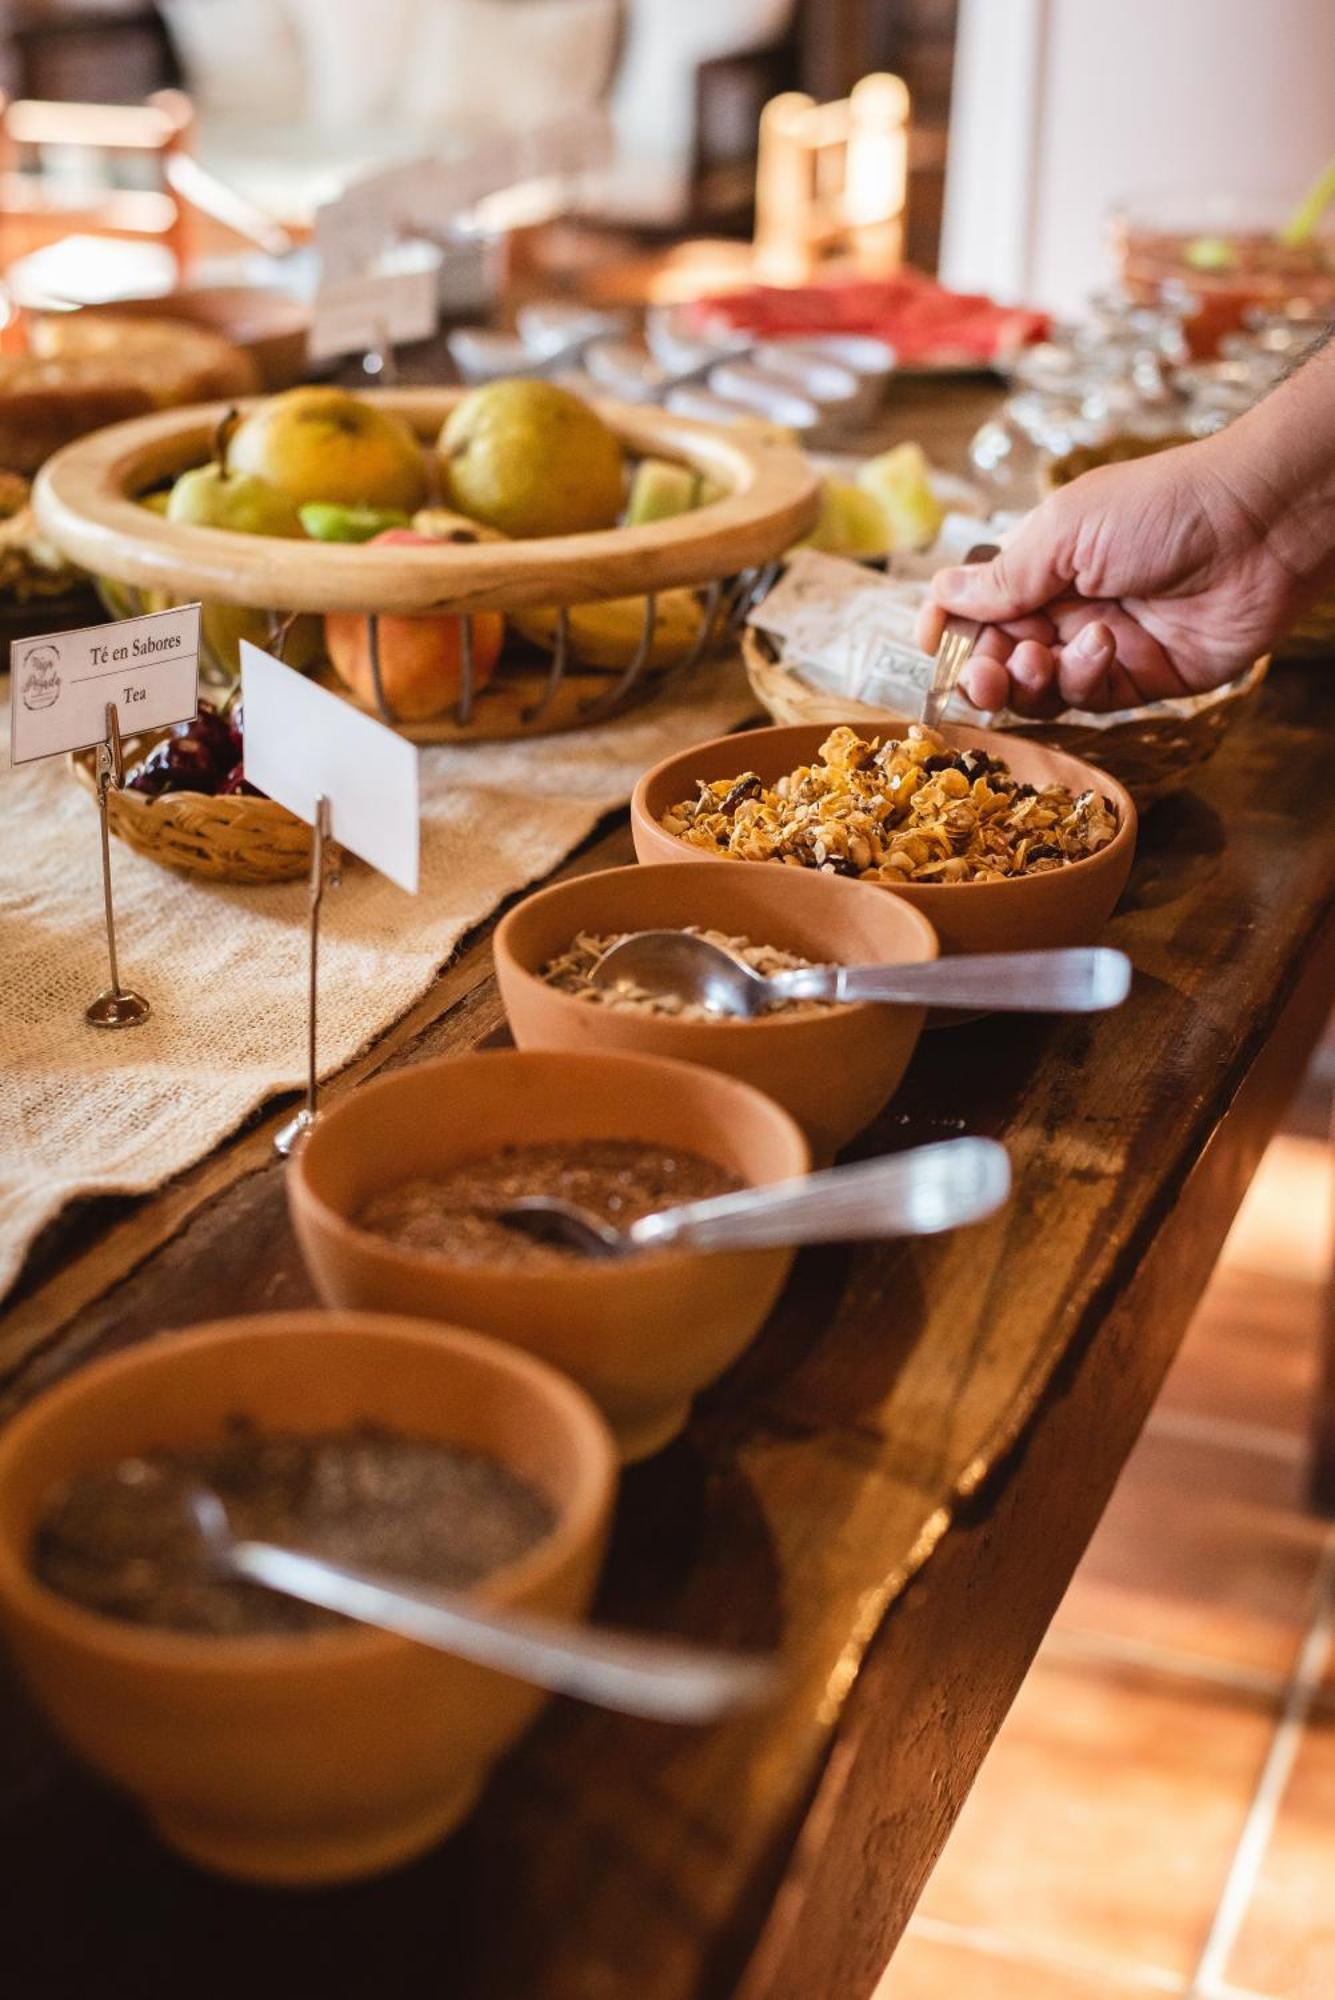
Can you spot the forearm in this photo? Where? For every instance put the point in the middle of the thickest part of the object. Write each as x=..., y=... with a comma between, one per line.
x=1278, y=462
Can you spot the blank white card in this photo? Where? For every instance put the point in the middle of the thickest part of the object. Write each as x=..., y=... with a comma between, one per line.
x=303, y=743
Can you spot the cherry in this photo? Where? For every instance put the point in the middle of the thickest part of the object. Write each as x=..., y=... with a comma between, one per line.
x=153, y=776
x=236, y=782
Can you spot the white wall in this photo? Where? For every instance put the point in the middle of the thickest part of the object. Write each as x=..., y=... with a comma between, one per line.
x=1062, y=107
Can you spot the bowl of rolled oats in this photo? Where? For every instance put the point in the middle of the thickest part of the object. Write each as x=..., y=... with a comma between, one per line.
x=831, y=1067
x=1000, y=844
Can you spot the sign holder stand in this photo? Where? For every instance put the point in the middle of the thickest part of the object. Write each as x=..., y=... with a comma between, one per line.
x=117, y=1007
x=380, y=362
x=324, y=873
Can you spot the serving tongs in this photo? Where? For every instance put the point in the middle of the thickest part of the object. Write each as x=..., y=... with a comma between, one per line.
x=952, y=655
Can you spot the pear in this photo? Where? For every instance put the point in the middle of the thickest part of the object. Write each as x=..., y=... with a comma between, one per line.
x=210, y=497
x=223, y=626
x=531, y=459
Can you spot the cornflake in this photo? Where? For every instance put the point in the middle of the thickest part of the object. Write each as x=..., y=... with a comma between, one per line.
x=911, y=809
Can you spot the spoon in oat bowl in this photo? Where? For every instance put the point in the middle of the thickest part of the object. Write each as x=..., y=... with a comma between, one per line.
x=918, y=1193
x=1082, y=979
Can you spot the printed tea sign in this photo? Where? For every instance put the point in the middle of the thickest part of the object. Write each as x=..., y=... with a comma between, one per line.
x=63, y=681
x=303, y=743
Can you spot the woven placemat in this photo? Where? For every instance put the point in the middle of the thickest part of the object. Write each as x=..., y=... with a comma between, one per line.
x=84, y=1112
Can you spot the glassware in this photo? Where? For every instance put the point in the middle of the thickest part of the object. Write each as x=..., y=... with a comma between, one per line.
x=1217, y=258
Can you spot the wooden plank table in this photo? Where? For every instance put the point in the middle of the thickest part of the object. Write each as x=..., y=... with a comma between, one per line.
x=894, y=1484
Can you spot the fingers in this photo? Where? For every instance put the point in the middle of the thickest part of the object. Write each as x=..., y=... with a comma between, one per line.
x=1032, y=567
x=1033, y=671
x=931, y=624
x=986, y=683
x=1106, y=659
x=1086, y=662
x=1016, y=674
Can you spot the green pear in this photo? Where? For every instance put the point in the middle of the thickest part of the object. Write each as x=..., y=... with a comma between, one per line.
x=210, y=497
x=531, y=459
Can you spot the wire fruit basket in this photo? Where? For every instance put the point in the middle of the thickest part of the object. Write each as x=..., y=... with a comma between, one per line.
x=680, y=588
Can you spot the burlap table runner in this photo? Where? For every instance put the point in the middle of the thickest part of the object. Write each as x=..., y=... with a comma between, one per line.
x=85, y=1112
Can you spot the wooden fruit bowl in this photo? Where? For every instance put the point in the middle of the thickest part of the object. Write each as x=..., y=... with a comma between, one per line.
x=86, y=501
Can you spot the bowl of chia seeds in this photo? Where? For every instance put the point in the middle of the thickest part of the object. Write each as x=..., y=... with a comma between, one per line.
x=267, y=1739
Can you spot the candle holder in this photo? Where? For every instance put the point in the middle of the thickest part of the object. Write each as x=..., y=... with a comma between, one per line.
x=831, y=181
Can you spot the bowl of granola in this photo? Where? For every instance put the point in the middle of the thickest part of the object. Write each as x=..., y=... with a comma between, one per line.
x=831, y=1067
x=1002, y=845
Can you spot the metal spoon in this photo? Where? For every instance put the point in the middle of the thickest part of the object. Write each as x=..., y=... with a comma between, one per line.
x=907, y=1194
x=619, y=1670
x=1079, y=980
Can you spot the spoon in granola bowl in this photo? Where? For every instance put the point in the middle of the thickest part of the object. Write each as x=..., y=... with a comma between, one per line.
x=918, y=1193
x=1079, y=979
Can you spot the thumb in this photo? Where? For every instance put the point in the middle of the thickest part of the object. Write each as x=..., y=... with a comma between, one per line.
x=1025, y=575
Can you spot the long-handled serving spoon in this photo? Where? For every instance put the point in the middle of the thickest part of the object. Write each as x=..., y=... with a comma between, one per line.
x=1081, y=979
x=621, y=1670
x=918, y=1193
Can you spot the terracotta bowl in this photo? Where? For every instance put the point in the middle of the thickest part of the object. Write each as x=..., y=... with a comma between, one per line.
x=1063, y=906
x=833, y=1070
x=334, y=1754
x=643, y=1335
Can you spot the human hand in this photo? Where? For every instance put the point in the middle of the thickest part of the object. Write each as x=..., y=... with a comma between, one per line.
x=1137, y=581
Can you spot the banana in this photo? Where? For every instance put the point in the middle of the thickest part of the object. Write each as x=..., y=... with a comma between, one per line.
x=608, y=635
x=444, y=525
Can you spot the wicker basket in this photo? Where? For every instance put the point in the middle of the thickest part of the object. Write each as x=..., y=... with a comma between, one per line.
x=1313, y=635
x=233, y=839
x=1149, y=750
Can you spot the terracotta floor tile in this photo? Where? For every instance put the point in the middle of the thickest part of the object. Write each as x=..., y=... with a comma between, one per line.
x=1286, y=1950
x=1284, y=1225
x=1250, y=1356
x=1104, y=1820
x=1204, y=1550
x=938, y=1969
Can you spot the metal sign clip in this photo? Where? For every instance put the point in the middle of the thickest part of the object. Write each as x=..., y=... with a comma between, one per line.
x=117, y=1007
x=324, y=874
